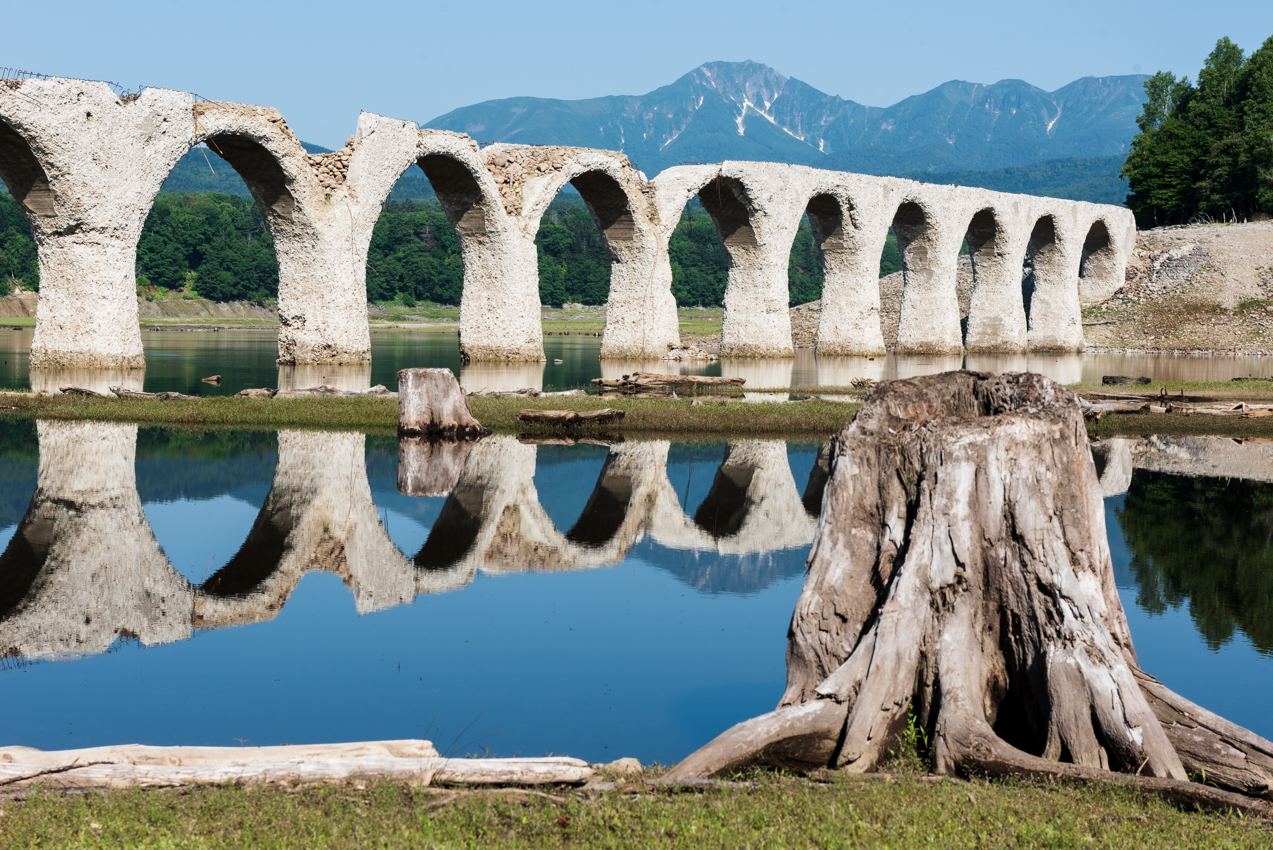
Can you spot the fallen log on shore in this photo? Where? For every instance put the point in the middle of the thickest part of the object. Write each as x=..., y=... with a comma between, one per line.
x=571, y=418
x=416, y=762
x=164, y=396
x=641, y=382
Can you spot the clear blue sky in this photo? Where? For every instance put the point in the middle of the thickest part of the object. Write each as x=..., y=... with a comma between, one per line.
x=321, y=62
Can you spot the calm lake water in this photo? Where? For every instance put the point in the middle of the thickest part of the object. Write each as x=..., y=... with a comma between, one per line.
x=177, y=360
x=178, y=587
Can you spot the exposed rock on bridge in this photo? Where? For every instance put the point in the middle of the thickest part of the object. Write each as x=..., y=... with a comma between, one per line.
x=85, y=166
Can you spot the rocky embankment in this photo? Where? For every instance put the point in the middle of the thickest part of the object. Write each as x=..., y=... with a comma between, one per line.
x=1192, y=288
x=22, y=306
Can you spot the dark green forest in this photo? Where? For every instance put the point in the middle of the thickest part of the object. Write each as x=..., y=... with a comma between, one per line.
x=18, y=263
x=1207, y=542
x=213, y=244
x=217, y=246
x=1205, y=150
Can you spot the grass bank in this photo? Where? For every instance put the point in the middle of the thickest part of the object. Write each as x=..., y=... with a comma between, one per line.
x=372, y=414
x=775, y=812
x=1218, y=390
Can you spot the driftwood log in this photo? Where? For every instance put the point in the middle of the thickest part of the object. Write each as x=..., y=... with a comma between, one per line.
x=432, y=404
x=571, y=418
x=653, y=382
x=123, y=767
x=164, y=396
x=961, y=579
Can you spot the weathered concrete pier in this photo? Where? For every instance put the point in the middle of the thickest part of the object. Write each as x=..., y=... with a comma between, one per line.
x=86, y=164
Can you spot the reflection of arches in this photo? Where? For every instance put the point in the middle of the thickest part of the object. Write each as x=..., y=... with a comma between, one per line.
x=319, y=515
x=929, y=322
x=1100, y=273
x=84, y=567
x=996, y=318
x=23, y=174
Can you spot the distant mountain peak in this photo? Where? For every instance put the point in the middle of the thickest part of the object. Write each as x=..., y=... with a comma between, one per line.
x=748, y=110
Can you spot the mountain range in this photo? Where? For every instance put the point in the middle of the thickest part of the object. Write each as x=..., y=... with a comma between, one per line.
x=747, y=110
x=1009, y=136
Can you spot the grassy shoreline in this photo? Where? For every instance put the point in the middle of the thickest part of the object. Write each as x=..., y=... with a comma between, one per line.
x=771, y=810
x=372, y=414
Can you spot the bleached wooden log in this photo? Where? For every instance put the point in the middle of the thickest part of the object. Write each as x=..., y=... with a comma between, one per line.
x=571, y=418
x=423, y=771
x=192, y=756
x=432, y=404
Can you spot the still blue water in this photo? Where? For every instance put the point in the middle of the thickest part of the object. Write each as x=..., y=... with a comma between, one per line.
x=178, y=360
x=650, y=654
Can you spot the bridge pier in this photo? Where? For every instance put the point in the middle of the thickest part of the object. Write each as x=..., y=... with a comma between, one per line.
x=85, y=165
x=851, y=233
x=929, y=243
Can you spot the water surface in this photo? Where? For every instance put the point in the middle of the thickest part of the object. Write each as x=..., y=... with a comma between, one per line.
x=176, y=587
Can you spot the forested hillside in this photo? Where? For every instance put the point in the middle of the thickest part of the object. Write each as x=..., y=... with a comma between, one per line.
x=18, y=262
x=1205, y=149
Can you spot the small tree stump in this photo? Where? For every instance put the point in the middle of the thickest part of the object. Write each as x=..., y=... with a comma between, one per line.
x=961, y=576
x=431, y=404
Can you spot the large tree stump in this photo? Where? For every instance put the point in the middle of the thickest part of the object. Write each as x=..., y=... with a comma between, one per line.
x=961, y=572
x=432, y=404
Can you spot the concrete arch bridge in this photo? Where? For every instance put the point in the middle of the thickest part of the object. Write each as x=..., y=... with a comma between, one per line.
x=85, y=165
x=84, y=567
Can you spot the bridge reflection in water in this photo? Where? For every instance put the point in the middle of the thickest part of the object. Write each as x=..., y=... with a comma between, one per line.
x=84, y=567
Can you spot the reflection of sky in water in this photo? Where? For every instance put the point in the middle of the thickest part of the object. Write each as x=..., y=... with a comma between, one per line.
x=651, y=657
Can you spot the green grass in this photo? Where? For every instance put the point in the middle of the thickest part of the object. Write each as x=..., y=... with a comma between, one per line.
x=1237, y=390
x=380, y=415
x=776, y=811
x=17, y=321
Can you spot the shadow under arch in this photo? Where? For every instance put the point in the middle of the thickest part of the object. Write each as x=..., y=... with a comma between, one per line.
x=22, y=173
x=459, y=194
x=1041, y=253
x=1098, y=265
x=728, y=203
x=260, y=170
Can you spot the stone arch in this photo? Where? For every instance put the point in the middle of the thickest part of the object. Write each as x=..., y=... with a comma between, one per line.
x=609, y=207
x=996, y=318
x=1100, y=272
x=849, y=321
x=23, y=174
x=1049, y=285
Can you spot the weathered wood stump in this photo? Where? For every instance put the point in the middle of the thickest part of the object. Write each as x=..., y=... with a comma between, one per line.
x=431, y=404
x=961, y=576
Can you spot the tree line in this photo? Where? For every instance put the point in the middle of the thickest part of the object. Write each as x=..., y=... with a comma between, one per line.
x=218, y=246
x=1205, y=149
